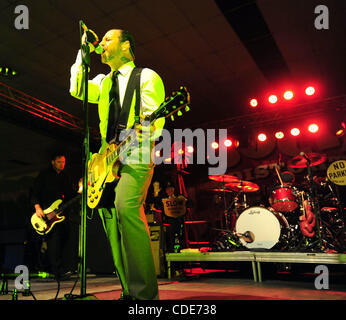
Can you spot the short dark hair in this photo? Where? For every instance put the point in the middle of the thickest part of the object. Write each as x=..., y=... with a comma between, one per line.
x=126, y=35
x=57, y=154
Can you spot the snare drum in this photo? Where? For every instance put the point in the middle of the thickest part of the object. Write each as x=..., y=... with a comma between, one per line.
x=285, y=198
x=266, y=227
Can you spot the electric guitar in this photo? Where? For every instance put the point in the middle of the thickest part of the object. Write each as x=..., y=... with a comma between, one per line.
x=52, y=216
x=103, y=168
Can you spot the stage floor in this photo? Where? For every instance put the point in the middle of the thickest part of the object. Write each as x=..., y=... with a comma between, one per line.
x=198, y=285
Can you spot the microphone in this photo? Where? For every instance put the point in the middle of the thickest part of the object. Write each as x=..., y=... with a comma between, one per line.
x=248, y=236
x=90, y=38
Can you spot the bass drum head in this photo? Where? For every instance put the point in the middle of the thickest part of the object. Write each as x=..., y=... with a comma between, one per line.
x=263, y=225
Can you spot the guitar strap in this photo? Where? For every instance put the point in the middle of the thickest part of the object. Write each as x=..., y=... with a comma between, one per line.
x=107, y=199
x=132, y=85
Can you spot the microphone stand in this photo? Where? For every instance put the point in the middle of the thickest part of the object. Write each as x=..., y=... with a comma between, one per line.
x=85, y=50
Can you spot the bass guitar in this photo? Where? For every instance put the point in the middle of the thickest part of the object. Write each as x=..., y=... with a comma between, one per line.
x=52, y=216
x=103, y=168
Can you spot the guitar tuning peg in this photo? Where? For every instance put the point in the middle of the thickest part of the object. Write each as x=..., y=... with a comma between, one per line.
x=187, y=108
x=179, y=113
x=172, y=118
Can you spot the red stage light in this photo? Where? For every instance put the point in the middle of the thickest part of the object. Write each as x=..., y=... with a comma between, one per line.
x=273, y=98
x=228, y=143
x=309, y=91
x=313, y=128
x=279, y=135
x=262, y=137
x=215, y=145
x=253, y=103
x=295, y=132
x=288, y=95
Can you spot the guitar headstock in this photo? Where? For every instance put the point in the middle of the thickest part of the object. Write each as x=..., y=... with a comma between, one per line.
x=173, y=104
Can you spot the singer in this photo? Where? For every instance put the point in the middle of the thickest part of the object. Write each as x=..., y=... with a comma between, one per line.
x=124, y=219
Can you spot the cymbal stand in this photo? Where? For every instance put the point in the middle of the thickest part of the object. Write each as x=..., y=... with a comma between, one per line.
x=225, y=206
x=335, y=230
x=315, y=203
x=233, y=203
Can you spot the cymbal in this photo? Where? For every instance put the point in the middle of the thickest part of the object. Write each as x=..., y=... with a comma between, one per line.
x=225, y=178
x=299, y=161
x=244, y=186
x=221, y=190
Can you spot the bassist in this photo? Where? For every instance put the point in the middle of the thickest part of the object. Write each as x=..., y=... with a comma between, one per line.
x=52, y=184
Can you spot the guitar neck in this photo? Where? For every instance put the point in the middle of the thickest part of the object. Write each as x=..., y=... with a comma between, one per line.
x=68, y=203
x=167, y=108
x=125, y=145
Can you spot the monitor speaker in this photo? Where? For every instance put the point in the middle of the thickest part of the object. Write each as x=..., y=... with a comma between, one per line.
x=157, y=242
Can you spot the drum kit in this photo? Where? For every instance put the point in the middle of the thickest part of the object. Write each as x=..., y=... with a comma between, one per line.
x=297, y=218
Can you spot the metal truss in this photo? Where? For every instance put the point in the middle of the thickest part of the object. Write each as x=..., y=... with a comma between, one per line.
x=282, y=114
x=14, y=101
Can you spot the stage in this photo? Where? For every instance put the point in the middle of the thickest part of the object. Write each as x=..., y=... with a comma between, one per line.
x=199, y=283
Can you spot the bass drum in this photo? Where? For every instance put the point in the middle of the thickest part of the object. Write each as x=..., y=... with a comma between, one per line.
x=264, y=228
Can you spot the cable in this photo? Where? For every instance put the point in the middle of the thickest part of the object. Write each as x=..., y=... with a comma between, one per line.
x=70, y=295
x=57, y=292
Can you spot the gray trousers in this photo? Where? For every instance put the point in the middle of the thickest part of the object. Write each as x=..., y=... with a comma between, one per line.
x=127, y=230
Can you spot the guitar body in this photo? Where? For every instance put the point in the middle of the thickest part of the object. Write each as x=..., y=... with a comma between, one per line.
x=44, y=225
x=103, y=168
x=100, y=173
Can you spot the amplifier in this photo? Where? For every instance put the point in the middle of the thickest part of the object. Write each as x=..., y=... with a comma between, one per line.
x=157, y=243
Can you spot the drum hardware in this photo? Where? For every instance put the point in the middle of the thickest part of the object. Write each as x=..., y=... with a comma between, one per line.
x=243, y=186
x=307, y=161
x=220, y=190
x=226, y=241
x=304, y=160
x=224, y=178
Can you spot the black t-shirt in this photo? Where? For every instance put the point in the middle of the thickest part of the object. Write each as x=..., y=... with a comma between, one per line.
x=50, y=186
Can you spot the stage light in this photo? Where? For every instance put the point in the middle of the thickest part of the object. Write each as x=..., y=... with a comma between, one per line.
x=279, y=135
x=228, y=143
x=262, y=137
x=273, y=98
x=313, y=128
x=7, y=72
x=288, y=95
x=295, y=132
x=215, y=145
x=309, y=91
x=190, y=149
x=180, y=151
x=253, y=103
x=157, y=153
x=341, y=131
